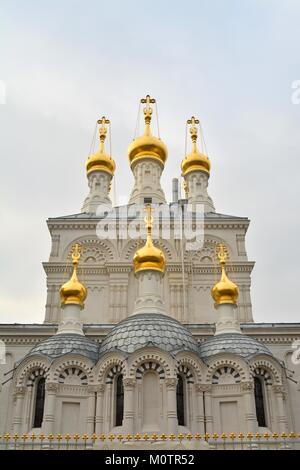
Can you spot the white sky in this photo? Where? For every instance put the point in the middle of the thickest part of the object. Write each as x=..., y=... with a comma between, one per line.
x=232, y=63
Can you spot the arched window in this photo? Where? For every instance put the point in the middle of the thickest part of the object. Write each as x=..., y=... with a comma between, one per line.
x=180, y=401
x=259, y=402
x=39, y=403
x=119, y=396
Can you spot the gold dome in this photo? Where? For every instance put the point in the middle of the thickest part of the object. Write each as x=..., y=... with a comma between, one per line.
x=225, y=291
x=195, y=161
x=147, y=146
x=149, y=257
x=100, y=161
x=73, y=292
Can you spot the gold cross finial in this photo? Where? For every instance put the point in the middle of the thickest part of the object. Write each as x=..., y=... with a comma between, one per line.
x=76, y=253
x=193, y=129
x=149, y=218
x=222, y=253
x=103, y=129
x=148, y=110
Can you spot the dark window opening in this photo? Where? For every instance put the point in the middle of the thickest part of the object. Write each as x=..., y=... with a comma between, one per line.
x=180, y=401
x=147, y=200
x=119, y=400
x=39, y=403
x=259, y=402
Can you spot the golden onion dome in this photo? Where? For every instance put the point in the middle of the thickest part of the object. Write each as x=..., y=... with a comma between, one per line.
x=73, y=292
x=225, y=291
x=149, y=257
x=100, y=161
x=147, y=146
x=195, y=161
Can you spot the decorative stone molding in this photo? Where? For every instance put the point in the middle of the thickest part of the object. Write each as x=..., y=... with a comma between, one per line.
x=171, y=382
x=51, y=387
x=200, y=388
x=19, y=390
x=129, y=382
x=247, y=386
x=278, y=389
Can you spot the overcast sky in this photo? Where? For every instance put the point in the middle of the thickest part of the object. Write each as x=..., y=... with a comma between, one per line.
x=232, y=63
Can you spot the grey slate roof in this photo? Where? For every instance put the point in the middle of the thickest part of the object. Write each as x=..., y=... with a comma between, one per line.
x=141, y=330
x=235, y=343
x=61, y=344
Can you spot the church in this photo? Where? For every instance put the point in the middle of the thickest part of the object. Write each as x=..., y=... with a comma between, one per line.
x=146, y=332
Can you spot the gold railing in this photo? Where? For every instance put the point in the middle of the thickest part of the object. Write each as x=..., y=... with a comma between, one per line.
x=218, y=441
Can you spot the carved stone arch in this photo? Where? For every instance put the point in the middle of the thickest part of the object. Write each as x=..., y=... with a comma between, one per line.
x=267, y=369
x=207, y=253
x=107, y=364
x=226, y=372
x=184, y=370
x=233, y=363
x=27, y=369
x=133, y=245
x=153, y=357
x=92, y=247
x=183, y=359
x=58, y=368
x=149, y=366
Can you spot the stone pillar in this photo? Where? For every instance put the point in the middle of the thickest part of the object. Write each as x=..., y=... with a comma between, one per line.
x=70, y=320
x=278, y=391
x=172, y=421
x=90, y=420
x=200, y=409
x=249, y=406
x=129, y=415
x=49, y=410
x=227, y=322
x=99, y=184
x=147, y=174
x=208, y=416
x=100, y=409
x=18, y=417
x=149, y=298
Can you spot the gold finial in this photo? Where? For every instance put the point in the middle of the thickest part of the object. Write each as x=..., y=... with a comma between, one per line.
x=225, y=291
x=149, y=257
x=195, y=161
x=147, y=145
x=73, y=292
x=222, y=253
x=193, y=129
x=100, y=161
x=148, y=112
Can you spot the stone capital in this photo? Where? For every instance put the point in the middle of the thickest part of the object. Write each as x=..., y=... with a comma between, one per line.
x=203, y=388
x=171, y=383
x=20, y=390
x=247, y=386
x=51, y=387
x=278, y=388
x=129, y=382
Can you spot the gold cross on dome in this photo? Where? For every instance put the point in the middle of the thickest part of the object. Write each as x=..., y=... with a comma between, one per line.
x=193, y=129
x=103, y=129
x=148, y=100
x=222, y=253
x=76, y=253
x=149, y=218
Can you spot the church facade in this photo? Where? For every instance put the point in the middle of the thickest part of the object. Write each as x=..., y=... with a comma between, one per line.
x=151, y=333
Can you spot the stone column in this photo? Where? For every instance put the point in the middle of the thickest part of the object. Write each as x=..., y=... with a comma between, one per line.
x=129, y=415
x=208, y=416
x=280, y=413
x=49, y=410
x=99, y=409
x=18, y=418
x=172, y=420
x=200, y=409
x=90, y=420
x=249, y=406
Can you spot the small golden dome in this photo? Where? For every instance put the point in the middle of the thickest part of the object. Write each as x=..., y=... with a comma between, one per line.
x=147, y=146
x=149, y=257
x=73, y=292
x=195, y=161
x=225, y=291
x=100, y=161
